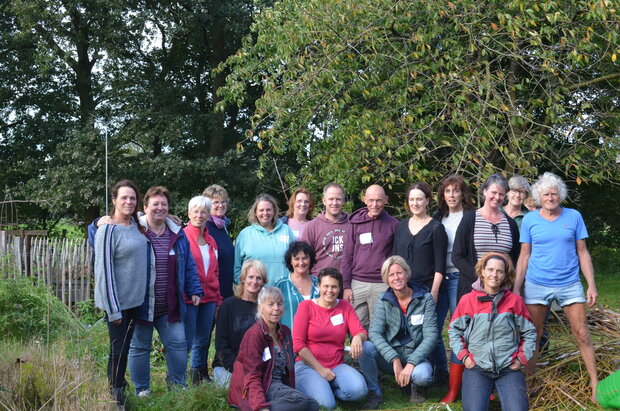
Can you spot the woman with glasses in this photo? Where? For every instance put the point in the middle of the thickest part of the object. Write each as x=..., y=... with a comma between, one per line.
x=518, y=193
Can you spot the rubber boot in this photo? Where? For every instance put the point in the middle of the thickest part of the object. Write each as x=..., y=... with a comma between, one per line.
x=455, y=381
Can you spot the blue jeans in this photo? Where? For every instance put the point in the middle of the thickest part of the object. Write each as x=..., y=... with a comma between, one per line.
x=349, y=384
x=173, y=338
x=445, y=299
x=198, y=327
x=478, y=385
x=372, y=362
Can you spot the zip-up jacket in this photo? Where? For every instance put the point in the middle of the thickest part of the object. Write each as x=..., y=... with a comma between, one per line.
x=420, y=323
x=492, y=330
x=209, y=276
x=253, y=369
x=183, y=271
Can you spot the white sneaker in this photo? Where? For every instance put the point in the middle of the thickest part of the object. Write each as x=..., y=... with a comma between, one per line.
x=144, y=393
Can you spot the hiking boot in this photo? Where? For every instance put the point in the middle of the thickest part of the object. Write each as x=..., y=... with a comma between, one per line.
x=373, y=401
x=118, y=396
x=195, y=377
x=418, y=394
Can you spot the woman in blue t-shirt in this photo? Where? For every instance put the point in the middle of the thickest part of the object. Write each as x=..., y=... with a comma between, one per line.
x=553, y=250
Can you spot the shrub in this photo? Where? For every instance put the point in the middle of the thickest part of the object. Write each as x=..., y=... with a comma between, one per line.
x=87, y=312
x=30, y=311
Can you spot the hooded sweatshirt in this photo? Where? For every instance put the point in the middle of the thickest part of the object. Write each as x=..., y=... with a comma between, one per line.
x=368, y=243
x=257, y=243
x=327, y=239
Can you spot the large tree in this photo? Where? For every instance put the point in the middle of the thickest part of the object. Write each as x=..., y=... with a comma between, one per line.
x=393, y=91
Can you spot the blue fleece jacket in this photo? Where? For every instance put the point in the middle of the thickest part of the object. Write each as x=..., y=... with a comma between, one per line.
x=257, y=243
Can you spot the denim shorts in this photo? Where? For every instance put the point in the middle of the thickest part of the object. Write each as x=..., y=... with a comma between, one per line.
x=566, y=295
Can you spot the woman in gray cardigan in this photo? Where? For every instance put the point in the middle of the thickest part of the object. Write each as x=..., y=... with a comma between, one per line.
x=121, y=272
x=403, y=333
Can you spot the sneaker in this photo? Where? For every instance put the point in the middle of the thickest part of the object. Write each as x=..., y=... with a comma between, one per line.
x=418, y=394
x=373, y=401
x=144, y=393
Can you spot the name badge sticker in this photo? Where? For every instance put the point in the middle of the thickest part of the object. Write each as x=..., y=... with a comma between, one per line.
x=366, y=238
x=337, y=319
x=171, y=252
x=416, y=319
x=266, y=354
x=283, y=238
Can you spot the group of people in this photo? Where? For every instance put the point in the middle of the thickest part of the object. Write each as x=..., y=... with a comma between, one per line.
x=308, y=289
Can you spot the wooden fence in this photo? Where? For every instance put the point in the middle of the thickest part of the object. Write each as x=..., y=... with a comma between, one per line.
x=64, y=265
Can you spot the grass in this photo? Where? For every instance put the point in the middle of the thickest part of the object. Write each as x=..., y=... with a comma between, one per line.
x=70, y=372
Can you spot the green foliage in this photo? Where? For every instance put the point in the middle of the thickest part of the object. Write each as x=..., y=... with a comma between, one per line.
x=29, y=311
x=606, y=260
x=396, y=91
x=87, y=313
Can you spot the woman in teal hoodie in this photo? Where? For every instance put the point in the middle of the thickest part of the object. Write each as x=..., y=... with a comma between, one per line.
x=266, y=239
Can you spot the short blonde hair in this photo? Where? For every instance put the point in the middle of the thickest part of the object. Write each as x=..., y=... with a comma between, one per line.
x=247, y=264
x=215, y=190
x=395, y=259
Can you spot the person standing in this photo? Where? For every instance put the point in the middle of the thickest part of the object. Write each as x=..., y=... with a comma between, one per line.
x=122, y=273
x=487, y=229
x=453, y=198
x=217, y=224
x=199, y=319
x=368, y=243
x=518, y=193
x=266, y=239
x=326, y=232
x=175, y=276
x=553, y=252
x=299, y=213
x=422, y=242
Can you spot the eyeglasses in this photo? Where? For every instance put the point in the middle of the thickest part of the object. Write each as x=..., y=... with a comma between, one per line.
x=220, y=203
x=518, y=192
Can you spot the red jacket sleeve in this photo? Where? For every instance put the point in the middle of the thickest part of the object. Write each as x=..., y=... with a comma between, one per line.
x=253, y=367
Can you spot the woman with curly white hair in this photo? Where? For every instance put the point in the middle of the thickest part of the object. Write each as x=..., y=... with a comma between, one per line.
x=553, y=250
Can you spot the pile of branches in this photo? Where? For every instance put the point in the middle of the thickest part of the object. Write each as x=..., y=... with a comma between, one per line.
x=561, y=380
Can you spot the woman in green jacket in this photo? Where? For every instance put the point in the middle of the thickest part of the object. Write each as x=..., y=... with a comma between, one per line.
x=403, y=333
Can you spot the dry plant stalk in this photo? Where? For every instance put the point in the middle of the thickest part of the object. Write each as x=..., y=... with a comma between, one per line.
x=561, y=381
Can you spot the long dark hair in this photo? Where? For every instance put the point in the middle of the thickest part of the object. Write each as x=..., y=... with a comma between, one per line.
x=459, y=182
x=134, y=187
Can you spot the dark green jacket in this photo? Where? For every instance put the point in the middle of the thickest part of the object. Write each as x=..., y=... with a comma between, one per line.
x=421, y=321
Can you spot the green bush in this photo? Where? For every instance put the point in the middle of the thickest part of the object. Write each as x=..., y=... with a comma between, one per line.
x=606, y=260
x=29, y=311
x=87, y=312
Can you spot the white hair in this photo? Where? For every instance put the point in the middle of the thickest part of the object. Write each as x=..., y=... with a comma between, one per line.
x=265, y=295
x=200, y=202
x=547, y=181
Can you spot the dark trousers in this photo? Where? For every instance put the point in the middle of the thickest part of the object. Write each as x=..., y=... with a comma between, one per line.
x=120, y=337
x=281, y=397
x=478, y=384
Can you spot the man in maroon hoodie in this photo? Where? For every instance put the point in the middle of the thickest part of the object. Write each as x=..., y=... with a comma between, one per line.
x=367, y=245
x=326, y=232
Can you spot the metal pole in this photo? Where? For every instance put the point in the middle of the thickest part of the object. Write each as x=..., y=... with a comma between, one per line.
x=106, y=173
